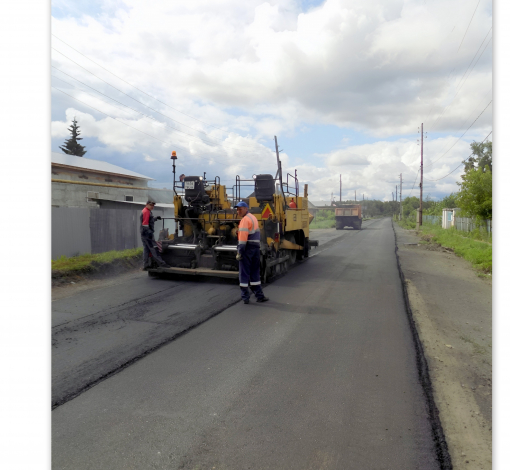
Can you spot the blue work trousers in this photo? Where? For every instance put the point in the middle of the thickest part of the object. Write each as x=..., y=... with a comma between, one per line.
x=249, y=271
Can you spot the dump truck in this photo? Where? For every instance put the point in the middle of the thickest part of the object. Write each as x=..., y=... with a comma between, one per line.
x=206, y=223
x=348, y=215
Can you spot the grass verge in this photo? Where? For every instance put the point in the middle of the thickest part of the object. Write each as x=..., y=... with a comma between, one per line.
x=406, y=224
x=478, y=253
x=89, y=263
x=322, y=224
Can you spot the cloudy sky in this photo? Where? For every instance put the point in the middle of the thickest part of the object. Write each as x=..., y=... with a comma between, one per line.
x=343, y=84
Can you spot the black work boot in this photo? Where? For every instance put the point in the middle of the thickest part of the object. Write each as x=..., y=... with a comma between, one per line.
x=257, y=290
x=245, y=295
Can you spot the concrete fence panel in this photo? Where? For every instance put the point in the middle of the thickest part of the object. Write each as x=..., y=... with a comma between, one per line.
x=80, y=230
x=112, y=229
x=70, y=231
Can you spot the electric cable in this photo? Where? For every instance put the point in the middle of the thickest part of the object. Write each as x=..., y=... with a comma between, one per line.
x=432, y=126
x=462, y=163
x=464, y=123
x=152, y=109
x=410, y=192
x=463, y=83
x=468, y=26
x=187, y=152
x=431, y=163
x=141, y=91
x=490, y=29
x=129, y=107
x=153, y=137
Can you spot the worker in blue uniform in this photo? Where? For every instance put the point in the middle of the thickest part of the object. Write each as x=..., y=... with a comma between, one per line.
x=248, y=254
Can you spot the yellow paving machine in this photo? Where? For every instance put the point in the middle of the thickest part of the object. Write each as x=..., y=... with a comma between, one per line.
x=205, y=237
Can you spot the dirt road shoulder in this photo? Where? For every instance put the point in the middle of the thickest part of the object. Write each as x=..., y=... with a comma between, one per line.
x=452, y=311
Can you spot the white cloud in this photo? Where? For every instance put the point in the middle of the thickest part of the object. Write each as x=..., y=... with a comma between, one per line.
x=354, y=63
x=148, y=158
x=377, y=178
x=257, y=68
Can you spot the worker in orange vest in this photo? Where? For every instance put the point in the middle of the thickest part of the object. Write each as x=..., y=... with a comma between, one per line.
x=248, y=254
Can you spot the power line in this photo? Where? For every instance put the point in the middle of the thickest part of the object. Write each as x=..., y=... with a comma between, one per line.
x=462, y=163
x=468, y=25
x=455, y=67
x=417, y=173
x=125, y=105
x=145, y=93
x=459, y=137
x=134, y=99
x=461, y=85
x=153, y=137
x=465, y=122
x=488, y=32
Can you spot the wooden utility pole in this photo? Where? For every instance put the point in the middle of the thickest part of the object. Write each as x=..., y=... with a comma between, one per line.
x=340, y=189
x=400, y=196
x=421, y=181
x=396, y=194
x=354, y=195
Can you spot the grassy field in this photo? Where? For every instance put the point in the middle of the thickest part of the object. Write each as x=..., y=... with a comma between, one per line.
x=322, y=224
x=477, y=251
x=323, y=219
x=88, y=262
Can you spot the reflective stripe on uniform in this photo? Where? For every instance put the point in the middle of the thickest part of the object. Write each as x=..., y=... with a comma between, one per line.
x=243, y=285
x=255, y=283
x=248, y=230
x=254, y=222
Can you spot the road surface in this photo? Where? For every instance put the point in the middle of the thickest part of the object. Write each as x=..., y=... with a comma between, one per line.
x=322, y=377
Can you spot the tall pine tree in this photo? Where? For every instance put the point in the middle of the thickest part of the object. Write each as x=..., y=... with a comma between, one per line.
x=71, y=145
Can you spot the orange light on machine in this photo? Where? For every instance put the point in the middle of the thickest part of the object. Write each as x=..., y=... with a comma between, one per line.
x=174, y=155
x=292, y=205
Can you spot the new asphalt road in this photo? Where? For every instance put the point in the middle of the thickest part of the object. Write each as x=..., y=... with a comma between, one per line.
x=321, y=377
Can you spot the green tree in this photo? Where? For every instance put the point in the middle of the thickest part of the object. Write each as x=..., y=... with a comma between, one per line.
x=409, y=205
x=475, y=195
x=481, y=158
x=436, y=208
x=71, y=145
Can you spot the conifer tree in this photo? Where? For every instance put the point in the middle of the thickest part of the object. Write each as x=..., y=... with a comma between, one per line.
x=71, y=145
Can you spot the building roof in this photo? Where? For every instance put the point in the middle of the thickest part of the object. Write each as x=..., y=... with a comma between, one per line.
x=93, y=165
x=136, y=203
x=319, y=203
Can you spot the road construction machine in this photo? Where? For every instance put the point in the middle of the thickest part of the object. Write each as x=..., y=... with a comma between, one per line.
x=206, y=223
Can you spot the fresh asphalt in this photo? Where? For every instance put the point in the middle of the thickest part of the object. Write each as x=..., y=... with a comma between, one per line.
x=322, y=377
x=96, y=333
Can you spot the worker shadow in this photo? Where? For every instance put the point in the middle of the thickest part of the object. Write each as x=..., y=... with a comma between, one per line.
x=308, y=309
